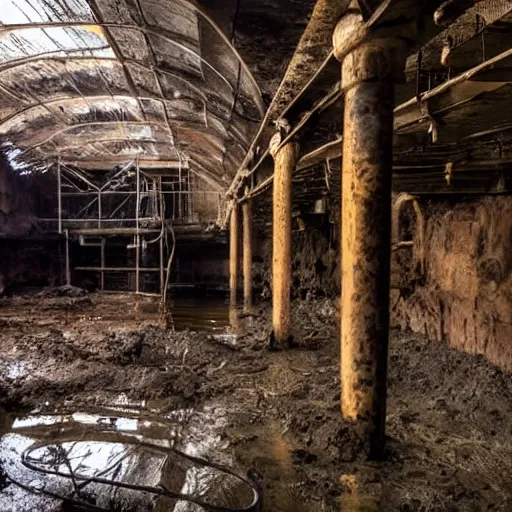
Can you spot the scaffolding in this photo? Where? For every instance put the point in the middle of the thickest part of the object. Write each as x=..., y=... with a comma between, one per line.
x=126, y=207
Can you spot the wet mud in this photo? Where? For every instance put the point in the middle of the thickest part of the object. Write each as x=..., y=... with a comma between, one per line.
x=86, y=379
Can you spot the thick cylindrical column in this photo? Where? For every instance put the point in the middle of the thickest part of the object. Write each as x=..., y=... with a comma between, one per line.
x=369, y=74
x=284, y=163
x=247, y=256
x=233, y=254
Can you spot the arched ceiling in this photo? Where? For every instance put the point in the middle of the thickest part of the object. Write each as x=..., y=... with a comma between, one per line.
x=117, y=80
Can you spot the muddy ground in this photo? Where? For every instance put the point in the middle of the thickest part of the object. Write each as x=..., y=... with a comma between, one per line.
x=449, y=427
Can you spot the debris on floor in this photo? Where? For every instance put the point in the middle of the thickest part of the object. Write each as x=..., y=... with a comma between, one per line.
x=278, y=421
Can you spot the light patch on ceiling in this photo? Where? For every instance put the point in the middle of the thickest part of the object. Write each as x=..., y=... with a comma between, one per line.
x=177, y=70
x=15, y=12
x=96, y=29
x=140, y=131
x=30, y=42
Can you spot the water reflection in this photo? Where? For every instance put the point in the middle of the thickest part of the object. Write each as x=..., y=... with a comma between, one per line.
x=195, y=313
x=353, y=499
x=270, y=454
x=110, y=460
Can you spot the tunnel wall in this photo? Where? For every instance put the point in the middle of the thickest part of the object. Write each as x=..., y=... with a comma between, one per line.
x=206, y=202
x=16, y=209
x=27, y=256
x=454, y=282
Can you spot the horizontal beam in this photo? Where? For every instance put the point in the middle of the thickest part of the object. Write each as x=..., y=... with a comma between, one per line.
x=333, y=150
x=144, y=163
x=72, y=127
x=301, y=72
x=315, y=46
x=334, y=94
x=117, y=269
x=328, y=151
x=411, y=112
x=76, y=100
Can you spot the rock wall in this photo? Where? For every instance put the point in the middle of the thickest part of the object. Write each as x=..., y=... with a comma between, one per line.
x=315, y=259
x=454, y=281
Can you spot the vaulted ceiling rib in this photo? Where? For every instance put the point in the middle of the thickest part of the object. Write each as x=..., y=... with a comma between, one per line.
x=75, y=75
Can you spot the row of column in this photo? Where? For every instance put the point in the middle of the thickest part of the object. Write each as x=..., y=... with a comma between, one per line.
x=285, y=158
x=247, y=254
x=371, y=64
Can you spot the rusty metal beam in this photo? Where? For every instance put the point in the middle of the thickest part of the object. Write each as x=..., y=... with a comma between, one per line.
x=314, y=47
x=450, y=10
x=325, y=152
x=311, y=55
x=435, y=53
x=333, y=95
x=411, y=112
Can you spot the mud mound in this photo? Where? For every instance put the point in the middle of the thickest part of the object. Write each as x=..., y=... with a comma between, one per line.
x=62, y=291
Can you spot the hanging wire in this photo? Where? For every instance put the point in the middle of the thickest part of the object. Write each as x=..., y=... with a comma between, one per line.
x=30, y=463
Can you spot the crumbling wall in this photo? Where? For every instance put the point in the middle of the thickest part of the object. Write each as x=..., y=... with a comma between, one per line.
x=463, y=294
x=315, y=260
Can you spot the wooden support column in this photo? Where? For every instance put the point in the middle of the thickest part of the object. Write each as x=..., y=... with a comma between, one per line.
x=233, y=254
x=247, y=254
x=285, y=158
x=370, y=67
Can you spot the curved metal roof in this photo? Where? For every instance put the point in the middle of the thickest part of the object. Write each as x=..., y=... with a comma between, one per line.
x=118, y=80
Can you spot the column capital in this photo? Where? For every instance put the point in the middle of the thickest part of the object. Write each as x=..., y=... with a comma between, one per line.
x=370, y=52
x=283, y=128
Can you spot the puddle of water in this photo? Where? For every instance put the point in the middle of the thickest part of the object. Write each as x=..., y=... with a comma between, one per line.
x=196, y=313
x=200, y=313
x=125, y=456
x=211, y=314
